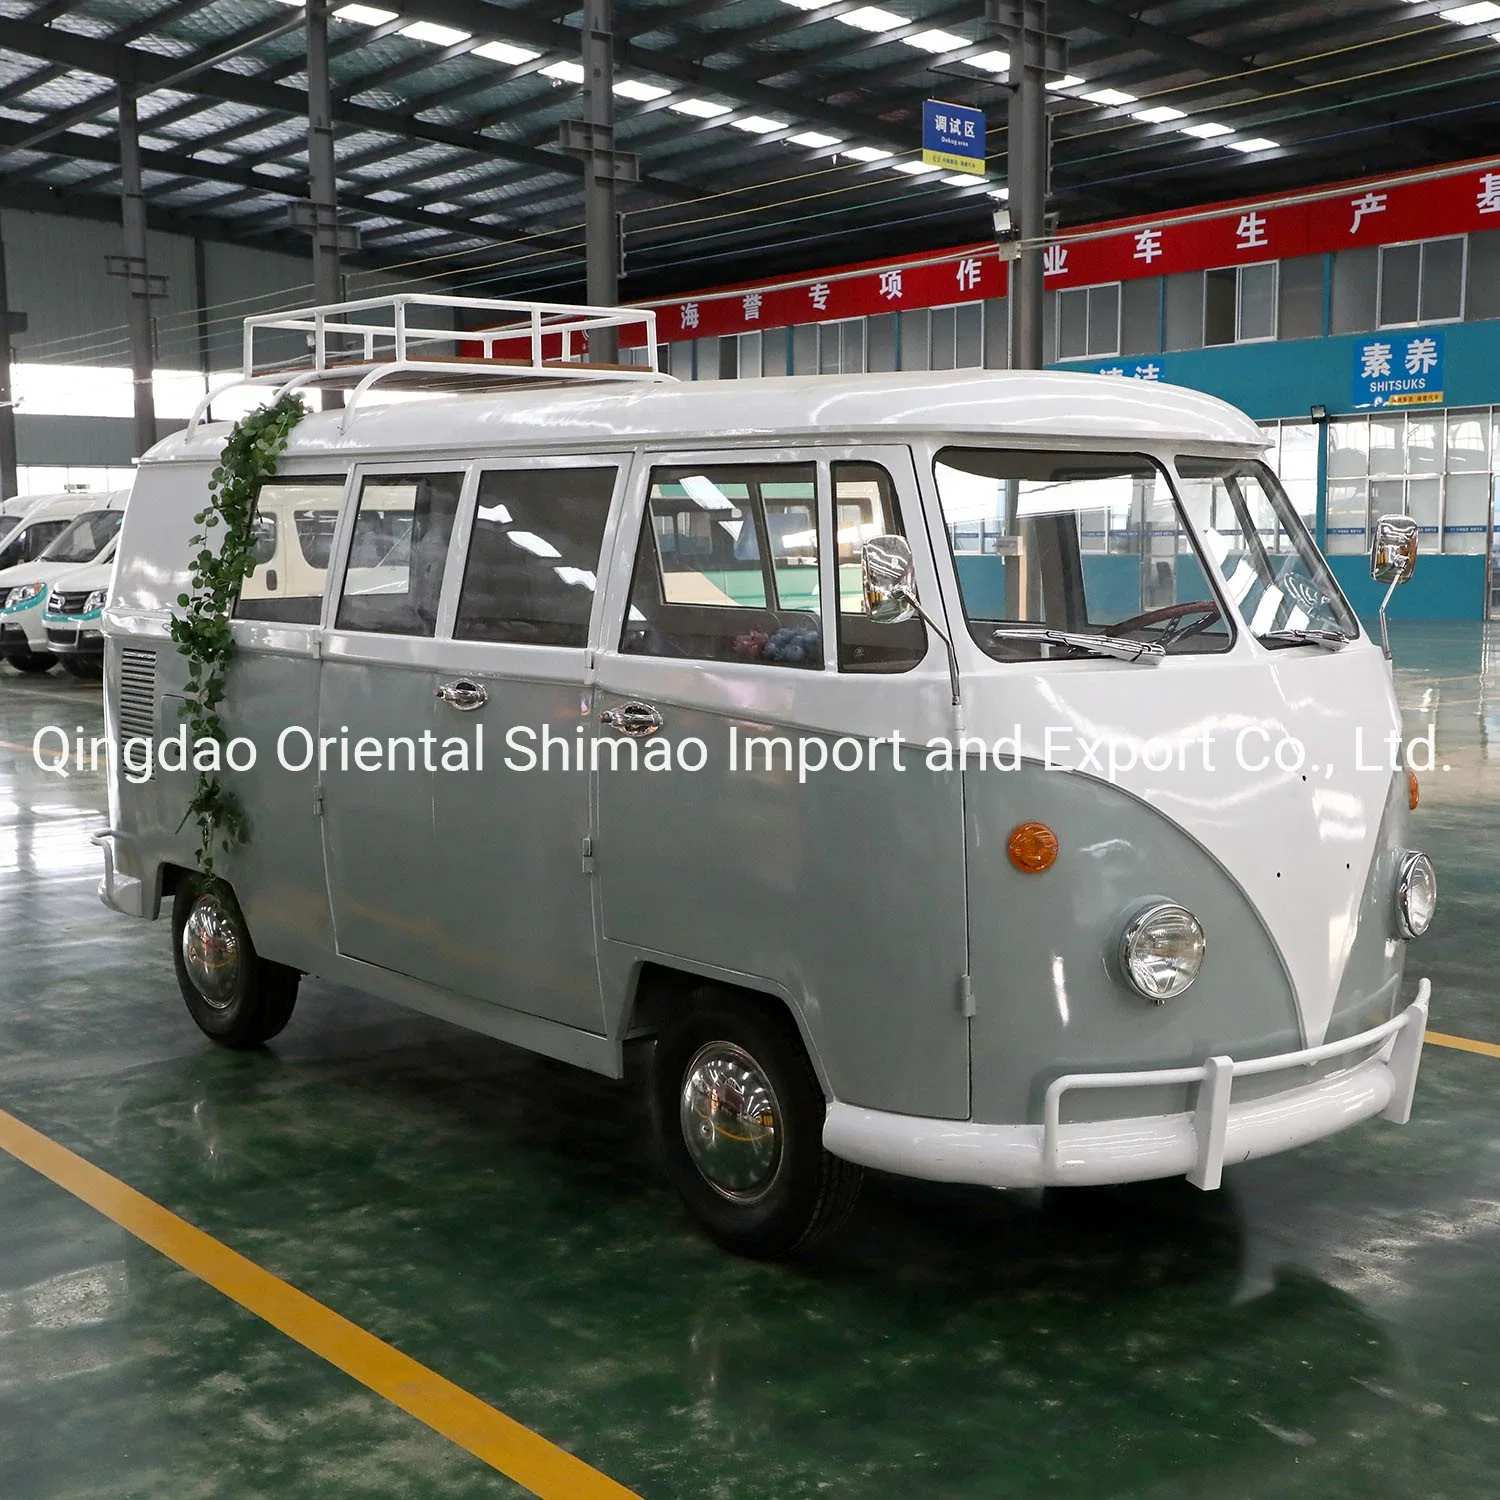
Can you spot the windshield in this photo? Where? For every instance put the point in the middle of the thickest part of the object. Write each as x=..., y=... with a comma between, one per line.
x=1088, y=543
x=1273, y=574
x=85, y=537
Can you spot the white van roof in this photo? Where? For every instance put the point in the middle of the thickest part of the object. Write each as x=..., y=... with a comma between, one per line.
x=1025, y=404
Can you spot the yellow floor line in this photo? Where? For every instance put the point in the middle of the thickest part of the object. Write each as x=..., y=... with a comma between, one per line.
x=1463, y=1044
x=517, y=1452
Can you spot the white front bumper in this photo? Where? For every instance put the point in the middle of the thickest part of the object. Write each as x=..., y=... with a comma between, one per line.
x=1196, y=1144
x=122, y=893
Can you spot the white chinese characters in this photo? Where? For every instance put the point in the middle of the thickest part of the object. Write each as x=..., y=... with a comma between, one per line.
x=1148, y=245
x=1374, y=361
x=1421, y=356
x=890, y=285
x=1055, y=260
x=1370, y=203
x=817, y=294
x=751, y=303
x=968, y=271
x=689, y=314
x=1487, y=199
x=1251, y=233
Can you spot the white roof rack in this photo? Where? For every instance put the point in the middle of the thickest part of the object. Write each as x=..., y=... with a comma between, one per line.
x=400, y=341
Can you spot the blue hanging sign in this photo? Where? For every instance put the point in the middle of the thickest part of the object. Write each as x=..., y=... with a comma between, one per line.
x=953, y=136
x=1398, y=369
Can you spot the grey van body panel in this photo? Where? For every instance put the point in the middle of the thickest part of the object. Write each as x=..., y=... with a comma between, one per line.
x=1048, y=997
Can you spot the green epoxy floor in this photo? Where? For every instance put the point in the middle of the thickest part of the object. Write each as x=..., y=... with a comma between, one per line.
x=1326, y=1326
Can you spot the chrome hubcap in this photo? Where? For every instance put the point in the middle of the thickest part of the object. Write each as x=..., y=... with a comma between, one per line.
x=731, y=1122
x=211, y=951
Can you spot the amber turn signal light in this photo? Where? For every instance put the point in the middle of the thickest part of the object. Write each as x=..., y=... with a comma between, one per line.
x=1413, y=792
x=1032, y=848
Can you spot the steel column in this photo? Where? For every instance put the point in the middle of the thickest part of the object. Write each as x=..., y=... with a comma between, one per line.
x=9, y=478
x=1026, y=174
x=322, y=178
x=137, y=280
x=601, y=226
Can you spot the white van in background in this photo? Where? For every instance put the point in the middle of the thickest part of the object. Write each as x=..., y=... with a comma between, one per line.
x=88, y=526
x=72, y=615
x=29, y=524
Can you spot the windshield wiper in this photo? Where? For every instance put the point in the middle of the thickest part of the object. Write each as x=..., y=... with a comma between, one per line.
x=1096, y=645
x=1329, y=640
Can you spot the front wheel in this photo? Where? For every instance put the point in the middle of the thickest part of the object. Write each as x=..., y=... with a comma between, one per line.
x=84, y=668
x=237, y=998
x=33, y=663
x=739, y=1113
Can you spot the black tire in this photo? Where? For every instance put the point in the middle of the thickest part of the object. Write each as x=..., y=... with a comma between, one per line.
x=257, y=996
x=806, y=1193
x=34, y=663
x=84, y=668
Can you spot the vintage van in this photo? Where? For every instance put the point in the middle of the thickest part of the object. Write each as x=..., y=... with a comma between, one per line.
x=86, y=528
x=973, y=775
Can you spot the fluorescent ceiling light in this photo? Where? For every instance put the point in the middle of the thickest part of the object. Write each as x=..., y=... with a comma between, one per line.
x=759, y=124
x=700, y=109
x=964, y=179
x=364, y=15
x=504, y=52
x=814, y=139
x=1260, y=143
x=1110, y=96
x=935, y=41
x=999, y=193
x=633, y=88
x=989, y=62
x=1207, y=131
x=439, y=36
x=1067, y=81
x=869, y=153
x=820, y=4
x=913, y=168
x=871, y=18
x=564, y=72
x=1158, y=114
x=1472, y=15
x=531, y=542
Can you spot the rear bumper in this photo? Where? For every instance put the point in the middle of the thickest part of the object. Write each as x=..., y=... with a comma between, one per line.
x=125, y=894
x=1197, y=1144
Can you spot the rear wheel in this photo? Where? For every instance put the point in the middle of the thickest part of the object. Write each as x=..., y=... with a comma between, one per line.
x=33, y=663
x=739, y=1122
x=237, y=998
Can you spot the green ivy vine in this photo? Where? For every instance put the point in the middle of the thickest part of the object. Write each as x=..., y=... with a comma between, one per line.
x=202, y=630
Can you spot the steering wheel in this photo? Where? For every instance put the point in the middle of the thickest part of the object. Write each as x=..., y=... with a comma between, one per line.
x=1208, y=609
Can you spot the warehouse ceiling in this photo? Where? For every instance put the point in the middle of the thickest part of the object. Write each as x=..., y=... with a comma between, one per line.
x=772, y=135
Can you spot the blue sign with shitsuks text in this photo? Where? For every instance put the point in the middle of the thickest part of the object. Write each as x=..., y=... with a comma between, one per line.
x=1398, y=369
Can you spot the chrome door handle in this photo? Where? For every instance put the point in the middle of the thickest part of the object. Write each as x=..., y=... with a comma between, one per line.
x=463, y=695
x=632, y=718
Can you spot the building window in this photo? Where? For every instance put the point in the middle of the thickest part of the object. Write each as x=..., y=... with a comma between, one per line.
x=1431, y=466
x=1239, y=304
x=1088, y=321
x=1422, y=283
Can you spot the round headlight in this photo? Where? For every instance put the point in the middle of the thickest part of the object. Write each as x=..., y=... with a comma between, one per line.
x=1161, y=951
x=1416, y=895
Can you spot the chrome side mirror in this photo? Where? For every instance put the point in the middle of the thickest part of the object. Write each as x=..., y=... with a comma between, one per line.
x=1393, y=552
x=890, y=579
x=1393, y=559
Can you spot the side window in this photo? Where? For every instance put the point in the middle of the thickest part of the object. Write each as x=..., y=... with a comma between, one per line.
x=534, y=556
x=287, y=584
x=727, y=566
x=30, y=542
x=864, y=506
x=394, y=575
